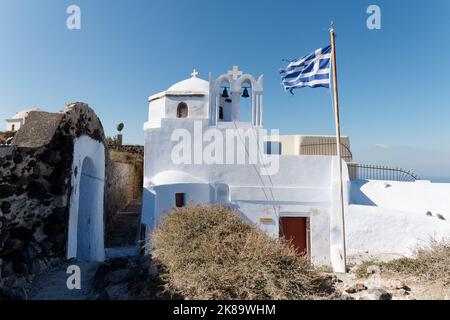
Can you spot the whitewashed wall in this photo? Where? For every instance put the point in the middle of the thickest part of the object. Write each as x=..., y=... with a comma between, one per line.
x=302, y=187
x=391, y=217
x=87, y=148
x=16, y=123
x=419, y=196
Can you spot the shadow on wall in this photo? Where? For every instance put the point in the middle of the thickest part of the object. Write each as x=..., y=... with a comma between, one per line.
x=357, y=196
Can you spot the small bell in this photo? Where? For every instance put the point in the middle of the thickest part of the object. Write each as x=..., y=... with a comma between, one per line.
x=225, y=93
x=245, y=93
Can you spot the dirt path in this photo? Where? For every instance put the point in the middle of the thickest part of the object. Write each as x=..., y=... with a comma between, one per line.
x=52, y=285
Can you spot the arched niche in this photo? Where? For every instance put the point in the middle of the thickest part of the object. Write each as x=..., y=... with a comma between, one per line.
x=182, y=110
x=86, y=212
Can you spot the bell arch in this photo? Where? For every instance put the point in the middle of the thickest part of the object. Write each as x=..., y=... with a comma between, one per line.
x=237, y=82
x=221, y=100
x=247, y=106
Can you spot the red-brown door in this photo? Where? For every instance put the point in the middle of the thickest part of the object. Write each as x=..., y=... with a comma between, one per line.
x=294, y=229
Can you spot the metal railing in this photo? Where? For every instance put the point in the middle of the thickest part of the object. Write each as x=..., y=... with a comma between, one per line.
x=374, y=172
x=326, y=148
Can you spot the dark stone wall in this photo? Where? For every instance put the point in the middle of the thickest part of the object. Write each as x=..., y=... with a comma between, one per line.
x=5, y=137
x=35, y=189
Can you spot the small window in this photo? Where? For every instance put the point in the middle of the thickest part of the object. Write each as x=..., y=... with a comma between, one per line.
x=13, y=127
x=272, y=147
x=221, y=113
x=180, y=200
x=182, y=110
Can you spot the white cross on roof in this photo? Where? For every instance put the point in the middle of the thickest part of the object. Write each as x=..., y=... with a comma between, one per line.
x=194, y=73
x=235, y=73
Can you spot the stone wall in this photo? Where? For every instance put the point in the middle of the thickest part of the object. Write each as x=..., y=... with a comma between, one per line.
x=5, y=137
x=130, y=149
x=35, y=185
x=124, y=177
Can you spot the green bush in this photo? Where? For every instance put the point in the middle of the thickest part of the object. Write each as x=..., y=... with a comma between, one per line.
x=211, y=253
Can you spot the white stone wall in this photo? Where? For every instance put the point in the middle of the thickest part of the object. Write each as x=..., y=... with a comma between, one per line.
x=302, y=187
x=197, y=106
x=391, y=216
x=418, y=197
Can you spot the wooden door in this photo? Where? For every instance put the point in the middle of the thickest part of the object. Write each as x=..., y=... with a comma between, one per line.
x=294, y=229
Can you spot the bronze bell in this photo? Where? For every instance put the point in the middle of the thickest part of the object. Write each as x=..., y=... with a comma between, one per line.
x=245, y=93
x=225, y=93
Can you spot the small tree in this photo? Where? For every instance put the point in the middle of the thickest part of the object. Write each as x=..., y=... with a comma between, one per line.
x=120, y=127
x=112, y=142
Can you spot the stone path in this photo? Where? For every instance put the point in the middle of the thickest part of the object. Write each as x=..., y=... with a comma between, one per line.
x=52, y=285
x=126, y=226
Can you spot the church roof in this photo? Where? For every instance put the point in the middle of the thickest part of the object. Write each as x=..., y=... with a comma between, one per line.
x=193, y=84
x=190, y=87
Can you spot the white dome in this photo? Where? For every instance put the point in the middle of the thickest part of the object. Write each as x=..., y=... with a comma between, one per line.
x=173, y=177
x=24, y=113
x=191, y=85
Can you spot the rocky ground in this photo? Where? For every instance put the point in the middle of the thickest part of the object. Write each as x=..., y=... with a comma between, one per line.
x=137, y=278
x=117, y=278
x=378, y=285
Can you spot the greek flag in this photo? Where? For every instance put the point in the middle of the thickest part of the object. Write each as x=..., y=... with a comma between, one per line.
x=312, y=70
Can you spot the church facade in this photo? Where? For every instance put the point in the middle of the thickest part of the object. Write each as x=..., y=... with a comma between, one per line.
x=200, y=148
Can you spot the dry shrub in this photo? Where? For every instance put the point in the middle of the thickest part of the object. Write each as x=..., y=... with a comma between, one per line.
x=126, y=157
x=430, y=263
x=361, y=269
x=211, y=253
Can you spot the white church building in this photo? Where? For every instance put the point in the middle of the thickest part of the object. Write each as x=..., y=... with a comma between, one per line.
x=200, y=149
x=195, y=145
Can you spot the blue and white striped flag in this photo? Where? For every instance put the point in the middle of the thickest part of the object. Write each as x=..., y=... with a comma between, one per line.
x=312, y=70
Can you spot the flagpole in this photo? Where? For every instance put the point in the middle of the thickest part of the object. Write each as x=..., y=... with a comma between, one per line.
x=338, y=143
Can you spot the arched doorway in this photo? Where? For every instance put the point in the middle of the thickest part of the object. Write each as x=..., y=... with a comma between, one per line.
x=86, y=227
x=88, y=196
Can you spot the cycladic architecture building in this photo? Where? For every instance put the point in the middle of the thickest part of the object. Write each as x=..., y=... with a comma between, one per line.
x=18, y=120
x=199, y=149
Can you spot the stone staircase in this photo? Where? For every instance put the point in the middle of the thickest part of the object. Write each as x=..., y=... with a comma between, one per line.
x=125, y=231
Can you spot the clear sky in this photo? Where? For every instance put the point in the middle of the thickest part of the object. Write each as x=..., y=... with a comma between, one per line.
x=394, y=82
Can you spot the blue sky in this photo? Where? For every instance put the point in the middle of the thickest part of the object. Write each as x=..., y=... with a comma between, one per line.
x=394, y=82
